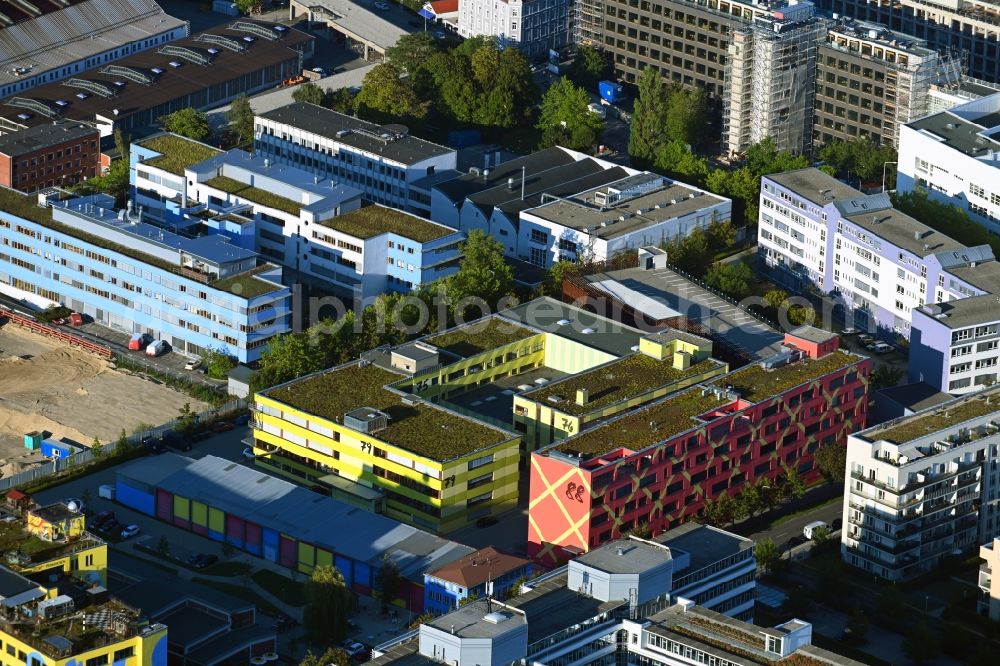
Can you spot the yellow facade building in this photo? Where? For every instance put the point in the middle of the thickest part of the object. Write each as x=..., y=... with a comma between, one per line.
x=67, y=620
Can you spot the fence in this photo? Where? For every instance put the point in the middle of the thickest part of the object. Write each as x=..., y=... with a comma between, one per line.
x=54, y=332
x=57, y=465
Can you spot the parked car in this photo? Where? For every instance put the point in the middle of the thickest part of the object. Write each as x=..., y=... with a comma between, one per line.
x=139, y=341
x=810, y=530
x=222, y=426
x=242, y=419
x=102, y=519
x=176, y=441
x=319, y=70
x=130, y=531
x=205, y=561
x=866, y=339
x=850, y=330
x=354, y=649
x=154, y=444
x=796, y=540
x=157, y=348
x=880, y=348
x=382, y=6
x=248, y=453
x=112, y=527
x=486, y=521
x=75, y=319
x=199, y=435
x=193, y=364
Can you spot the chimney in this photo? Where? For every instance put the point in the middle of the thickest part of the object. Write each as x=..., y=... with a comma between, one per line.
x=267, y=163
x=582, y=396
x=620, y=551
x=486, y=175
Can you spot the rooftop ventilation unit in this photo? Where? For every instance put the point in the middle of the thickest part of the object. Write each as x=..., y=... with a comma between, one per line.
x=366, y=419
x=780, y=359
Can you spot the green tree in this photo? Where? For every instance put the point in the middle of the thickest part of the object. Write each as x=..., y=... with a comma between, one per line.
x=751, y=499
x=648, y=130
x=309, y=92
x=390, y=584
x=821, y=535
x=186, y=419
x=732, y=278
x=340, y=100
x=565, y=117
x=515, y=589
x=831, y=461
x=858, y=624
x=793, y=486
x=227, y=550
x=721, y=234
x=642, y=531
x=798, y=602
x=687, y=113
x=676, y=160
x=116, y=180
x=922, y=645
x=245, y=6
x=690, y=253
x=413, y=51
x=468, y=599
x=885, y=376
x=860, y=157
x=329, y=603
x=483, y=274
x=332, y=657
x=218, y=363
x=189, y=122
x=121, y=446
x=946, y=218
x=775, y=298
x=588, y=68
x=423, y=618
x=240, y=118
x=801, y=314
x=163, y=546
x=767, y=555
x=890, y=602
x=97, y=449
x=385, y=96
x=558, y=273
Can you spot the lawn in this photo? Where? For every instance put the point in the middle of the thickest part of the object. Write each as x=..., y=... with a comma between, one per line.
x=254, y=194
x=941, y=418
x=480, y=336
x=754, y=383
x=290, y=591
x=177, y=153
x=247, y=285
x=372, y=221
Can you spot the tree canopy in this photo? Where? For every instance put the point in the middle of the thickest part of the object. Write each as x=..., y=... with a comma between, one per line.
x=732, y=278
x=325, y=616
x=946, y=218
x=413, y=51
x=860, y=158
x=648, y=131
x=588, y=68
x=189, y=122
x=483, y=275
x=566, y=120
x=240, y=119
x=308, y=92
x=384, y=96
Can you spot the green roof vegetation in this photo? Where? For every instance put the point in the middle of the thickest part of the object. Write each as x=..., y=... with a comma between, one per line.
x=480, y=336
x=754, y=383
x=371, y=221
x=247, y=284
x=626, y=378
x=940, y=418
x=420, y=429
x=644, y=427
x=254, y=194
x=177, y=153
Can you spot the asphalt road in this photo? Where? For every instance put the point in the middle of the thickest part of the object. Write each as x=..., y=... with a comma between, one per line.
x=780, y=534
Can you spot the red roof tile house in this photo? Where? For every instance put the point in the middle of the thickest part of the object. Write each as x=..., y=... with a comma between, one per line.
x=472, y=577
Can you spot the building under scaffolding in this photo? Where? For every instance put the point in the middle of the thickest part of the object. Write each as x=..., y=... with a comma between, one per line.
x=586, y=22
x=769, y=89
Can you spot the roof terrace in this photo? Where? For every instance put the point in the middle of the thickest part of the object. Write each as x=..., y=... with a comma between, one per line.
x=371, y=221
x=254, y=194
x=619, y=380
x=420, y=428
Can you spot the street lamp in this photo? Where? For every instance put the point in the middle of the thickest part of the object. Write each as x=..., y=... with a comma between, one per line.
x=884, y=165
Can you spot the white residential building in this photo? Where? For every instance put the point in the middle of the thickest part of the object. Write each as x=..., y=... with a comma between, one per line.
x=920, y=488
x=532, y=26
x=954, y=156
x=384, y=162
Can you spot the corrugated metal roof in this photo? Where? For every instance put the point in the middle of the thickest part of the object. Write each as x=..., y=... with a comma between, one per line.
x=307, y=516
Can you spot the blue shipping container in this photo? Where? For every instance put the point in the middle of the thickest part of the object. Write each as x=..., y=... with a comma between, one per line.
x=610, y=91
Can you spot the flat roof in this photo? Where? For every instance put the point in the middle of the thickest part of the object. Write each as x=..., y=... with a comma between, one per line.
x=958, y=133
x=812, y=334
x=901, y=231
x=224, y=645
x=814, y=185
x=190, y=624
x=581, y=212
x=374, y=220
x=479, y=336
x=703, y=544
x=916, y=397
x=626, y=556
x=938, y=418
x=576, y=324
x=389, y=141
x=69, y=31
x=893, y=41
x=167, y=84
x=373, y=26
x=14, y=144
x=177, y=152
x=550, y=607
x=307, y=516
x=469, y=621
x=13, y=584
x=466, y=185
x=421, y=428
x=621, y=379
x=683, y=411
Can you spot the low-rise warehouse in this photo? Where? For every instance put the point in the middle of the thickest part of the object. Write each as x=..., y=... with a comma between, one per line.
x=282, y=522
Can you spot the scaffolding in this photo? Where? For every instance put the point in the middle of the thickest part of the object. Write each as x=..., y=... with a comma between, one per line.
x=770, y=83
x=587, y=23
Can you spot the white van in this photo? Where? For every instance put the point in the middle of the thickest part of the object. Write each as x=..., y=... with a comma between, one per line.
x=156, y=348
x=809, y=530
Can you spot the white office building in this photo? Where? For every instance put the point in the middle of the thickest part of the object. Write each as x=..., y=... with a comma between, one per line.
x=532, y=26
x=923, y=487
x=384, y=162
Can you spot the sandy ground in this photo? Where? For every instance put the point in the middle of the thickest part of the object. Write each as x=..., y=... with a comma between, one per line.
x=45, y=385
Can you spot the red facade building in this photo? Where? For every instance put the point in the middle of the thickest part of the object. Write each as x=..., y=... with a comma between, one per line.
x=59, y=154
x=658, y=464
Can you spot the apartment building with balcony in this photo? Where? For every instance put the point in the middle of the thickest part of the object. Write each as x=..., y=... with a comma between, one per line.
x=890, y=274
x=384, y=162
x=658, y=464
x=988, y=603
x=870, y=81
x=616, y=604
x=195, y=292
x=922, y=488
x=969, y=26
x=952, y=157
